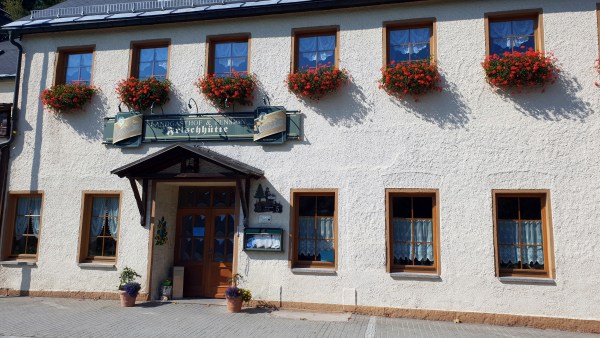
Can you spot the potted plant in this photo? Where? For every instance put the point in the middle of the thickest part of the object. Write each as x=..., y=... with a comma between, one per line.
x=65, y=98
x=166, y=289
x=225, y=91
x=236, y=296
x=314, y=83
x=517, y=71
x=414, y=78
x=140, y=95
x=128, y=288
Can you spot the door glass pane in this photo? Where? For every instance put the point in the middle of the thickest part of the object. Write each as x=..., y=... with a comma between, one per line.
x=185, y=249
x=188, y=224
x=224, y=198
x=229, y=253
x=199, y=227
x=203, y=198
x=198, y=249
x=230, y=226
x=220, y=225
x=219, y=250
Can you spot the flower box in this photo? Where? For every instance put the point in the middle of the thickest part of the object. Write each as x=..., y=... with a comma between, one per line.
x=225, y=91
x=67, y=97
x=140, y=95
x=414, y=78
x=517, y=71
x=315, y=83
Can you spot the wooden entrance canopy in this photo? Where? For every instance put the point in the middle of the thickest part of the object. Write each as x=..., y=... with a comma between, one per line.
x=181, y=162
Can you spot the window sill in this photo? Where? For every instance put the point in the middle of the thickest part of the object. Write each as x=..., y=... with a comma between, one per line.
x=416, y=276
x=314, y=271
x=527, y=280
x=108, y=266
x=18, y=263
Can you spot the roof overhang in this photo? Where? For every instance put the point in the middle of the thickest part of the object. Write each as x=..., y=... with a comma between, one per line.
x=150, y=167
x=48, y=25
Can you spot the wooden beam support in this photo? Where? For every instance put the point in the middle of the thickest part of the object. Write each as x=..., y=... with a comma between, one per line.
x=138, y=199
x=243, y=200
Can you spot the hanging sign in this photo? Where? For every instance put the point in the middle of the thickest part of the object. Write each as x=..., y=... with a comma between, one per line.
x=128, y=127
x=268, y=124
x=275, y=127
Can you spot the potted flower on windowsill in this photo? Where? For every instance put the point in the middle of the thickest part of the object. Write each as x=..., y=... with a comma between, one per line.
x=414, y=78
x=68, y=97
x=520, y=70
x=315, y=83
x=225, y=91
x=140, y=95
x=128, y=288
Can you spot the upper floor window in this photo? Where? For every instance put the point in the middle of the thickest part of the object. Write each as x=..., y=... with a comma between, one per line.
x=229, y=56
x=513, y=33
x=315, y=48
x=24, y=220
x=522, y=232
x=413, y=231
x=100, y=230
x=409, y=44
x=74, y=65
x=150, y=60
x=315, y=219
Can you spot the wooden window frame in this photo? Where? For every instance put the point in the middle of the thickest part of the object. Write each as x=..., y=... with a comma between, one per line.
x=547, y=236
x=314, y=31
x=211, y=40
x=535, y=14
x=10, y=219
x=134, y=54
x=434, y=193
x=389, y=26
x=295, y=194
x=84, y=228
x=60, y=66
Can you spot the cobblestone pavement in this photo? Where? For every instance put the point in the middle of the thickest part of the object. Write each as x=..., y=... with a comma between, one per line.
x=55, y=317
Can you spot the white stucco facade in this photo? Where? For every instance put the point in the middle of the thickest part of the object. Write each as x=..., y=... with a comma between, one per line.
x=6, y=91
x=464, y=142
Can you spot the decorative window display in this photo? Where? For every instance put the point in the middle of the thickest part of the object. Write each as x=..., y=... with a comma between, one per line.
x=261, y=239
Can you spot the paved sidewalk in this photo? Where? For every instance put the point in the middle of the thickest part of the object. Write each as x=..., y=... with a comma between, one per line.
x=55, y=317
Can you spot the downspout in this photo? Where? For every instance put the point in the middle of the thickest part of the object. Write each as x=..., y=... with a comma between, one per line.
x=5, y=145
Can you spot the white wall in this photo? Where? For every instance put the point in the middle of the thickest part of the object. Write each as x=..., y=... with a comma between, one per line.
x=7, y=88
x=464, y=141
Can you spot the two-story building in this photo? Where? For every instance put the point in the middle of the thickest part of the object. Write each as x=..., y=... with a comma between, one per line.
x=467, y=203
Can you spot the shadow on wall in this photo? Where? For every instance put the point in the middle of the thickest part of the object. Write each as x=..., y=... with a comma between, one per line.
x=445, y=109
x=89, y=122
x=558, y=102
x=347, y=107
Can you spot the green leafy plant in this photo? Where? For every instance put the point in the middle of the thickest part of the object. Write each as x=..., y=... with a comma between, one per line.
x=128, y=275
x=225, y=91
x=64, y=98
x=140, y=95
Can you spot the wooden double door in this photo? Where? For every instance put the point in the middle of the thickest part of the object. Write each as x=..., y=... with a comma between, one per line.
x=205, y=239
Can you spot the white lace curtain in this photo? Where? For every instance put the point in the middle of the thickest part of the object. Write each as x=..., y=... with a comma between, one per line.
x=317, y=47
x=516, y=32
x=531, y=237
x=403, y=232
x=28, y=210
x=308, y=231
x=105, y=208
x=407, y=41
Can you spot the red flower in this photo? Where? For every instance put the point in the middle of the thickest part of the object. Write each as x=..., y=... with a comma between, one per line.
x=516, y=70
x=224, y=92
x=139, y=95
x=68, y=97
x=313, y=83
x=415, y=78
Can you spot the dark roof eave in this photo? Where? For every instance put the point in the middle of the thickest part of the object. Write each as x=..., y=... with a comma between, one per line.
x=207, y=15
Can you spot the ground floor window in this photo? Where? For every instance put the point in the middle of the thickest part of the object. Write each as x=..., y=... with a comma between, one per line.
x=522, y=233
x=24, y=225
x=412, y=231
x=315, y=228
x=100, y=228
